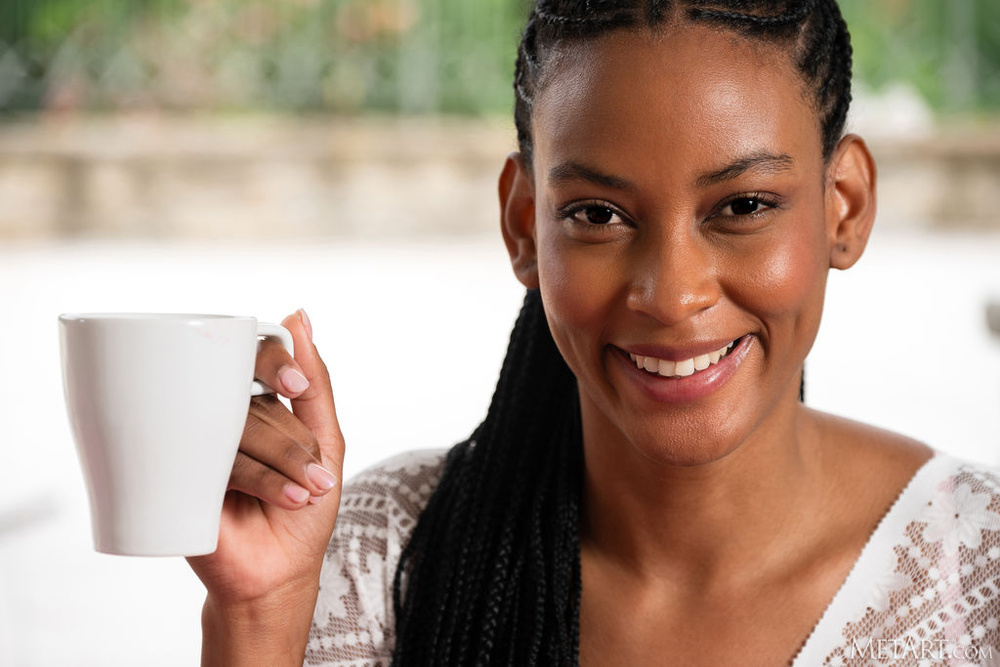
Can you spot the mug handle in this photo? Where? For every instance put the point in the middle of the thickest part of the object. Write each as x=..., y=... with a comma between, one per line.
x=284, y=336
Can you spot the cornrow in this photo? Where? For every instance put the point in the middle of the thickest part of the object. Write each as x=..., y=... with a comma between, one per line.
x=750, y=22
x=814, y=29
x=491, y=574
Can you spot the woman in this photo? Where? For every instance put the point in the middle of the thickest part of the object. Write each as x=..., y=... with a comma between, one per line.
x=647, y=487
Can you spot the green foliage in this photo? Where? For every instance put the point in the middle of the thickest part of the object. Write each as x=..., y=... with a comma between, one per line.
x=301, y=55
x=949, y=50
x=412, y=56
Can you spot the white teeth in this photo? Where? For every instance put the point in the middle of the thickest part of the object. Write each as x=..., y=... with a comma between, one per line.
x=682, y=368
x=685, y=368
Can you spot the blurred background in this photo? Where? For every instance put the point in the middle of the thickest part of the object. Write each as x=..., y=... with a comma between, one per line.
x=257, y=156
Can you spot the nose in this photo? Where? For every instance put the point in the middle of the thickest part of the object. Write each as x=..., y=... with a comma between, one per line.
x=675, y=276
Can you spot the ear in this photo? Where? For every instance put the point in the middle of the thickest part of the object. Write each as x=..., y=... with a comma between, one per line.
x=850, y=201
x=517, y=219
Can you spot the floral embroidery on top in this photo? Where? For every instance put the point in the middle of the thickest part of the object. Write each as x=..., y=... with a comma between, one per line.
x=892, y=580
x=353, y=625
x=959, y=518
x=939, y=601
x=935, y=601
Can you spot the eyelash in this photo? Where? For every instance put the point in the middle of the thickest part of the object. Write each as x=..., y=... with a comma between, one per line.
x=570, y=211
x=761, y=198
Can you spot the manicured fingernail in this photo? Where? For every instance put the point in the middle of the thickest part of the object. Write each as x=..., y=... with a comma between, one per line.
x=314, y=500
x=293, y=380
x=320, y=476
x=296, y=493
x=306, y=323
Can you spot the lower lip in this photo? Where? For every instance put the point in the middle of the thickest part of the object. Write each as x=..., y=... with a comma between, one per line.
x=691, y=388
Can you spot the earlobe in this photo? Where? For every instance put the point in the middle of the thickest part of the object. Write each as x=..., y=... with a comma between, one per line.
x=850, y=201
x=517, y=219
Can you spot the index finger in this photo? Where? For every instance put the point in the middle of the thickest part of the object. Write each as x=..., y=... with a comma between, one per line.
x=315, y=406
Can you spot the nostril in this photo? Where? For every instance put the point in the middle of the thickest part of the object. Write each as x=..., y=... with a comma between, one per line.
x=672, y=302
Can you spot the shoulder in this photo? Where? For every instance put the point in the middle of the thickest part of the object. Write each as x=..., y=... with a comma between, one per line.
x=379, y=508
x=873, y=447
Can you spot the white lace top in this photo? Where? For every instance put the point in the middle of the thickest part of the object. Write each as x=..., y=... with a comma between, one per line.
x=924, y=591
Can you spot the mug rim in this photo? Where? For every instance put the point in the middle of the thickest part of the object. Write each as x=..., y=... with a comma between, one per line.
x=147, y=317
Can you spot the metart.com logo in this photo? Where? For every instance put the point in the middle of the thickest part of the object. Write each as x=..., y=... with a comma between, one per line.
x=918, y=649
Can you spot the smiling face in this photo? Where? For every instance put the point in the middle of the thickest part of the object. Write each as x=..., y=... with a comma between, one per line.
x=676, y=221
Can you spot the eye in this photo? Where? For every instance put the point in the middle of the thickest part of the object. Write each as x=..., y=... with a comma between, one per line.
x=747, y=205
x=597, y=215
x=593, y=214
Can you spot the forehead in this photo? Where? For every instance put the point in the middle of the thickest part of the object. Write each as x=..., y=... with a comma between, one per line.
x=691, y=93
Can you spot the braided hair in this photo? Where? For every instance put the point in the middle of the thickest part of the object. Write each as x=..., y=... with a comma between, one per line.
x=812, y=30
x=491, y=574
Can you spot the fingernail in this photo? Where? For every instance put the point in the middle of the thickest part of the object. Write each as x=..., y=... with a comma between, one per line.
x=321, y=477
x=296, y=493
x=306, y=323
x=293, y=380
x=314, y=500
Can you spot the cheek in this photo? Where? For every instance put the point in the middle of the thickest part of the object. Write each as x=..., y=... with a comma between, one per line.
x=786, y=280
x=577, y=290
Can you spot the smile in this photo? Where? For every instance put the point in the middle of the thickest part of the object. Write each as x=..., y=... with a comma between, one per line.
x=683, y=368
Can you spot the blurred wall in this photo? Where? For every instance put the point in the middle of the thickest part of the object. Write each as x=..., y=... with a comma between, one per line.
x=252, y=178
x=261, y=177
x=254, y=119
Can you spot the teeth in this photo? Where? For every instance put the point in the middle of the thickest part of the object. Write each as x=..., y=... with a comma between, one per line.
x=682, y=368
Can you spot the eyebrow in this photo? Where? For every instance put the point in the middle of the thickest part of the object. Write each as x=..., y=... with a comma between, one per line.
x=574, y=171
x=763, y=162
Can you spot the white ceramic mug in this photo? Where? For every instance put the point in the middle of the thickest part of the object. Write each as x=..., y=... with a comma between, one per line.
x=157, y=404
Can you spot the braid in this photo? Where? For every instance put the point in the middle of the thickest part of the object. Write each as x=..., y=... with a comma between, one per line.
x=554, y=21
x=491, y=574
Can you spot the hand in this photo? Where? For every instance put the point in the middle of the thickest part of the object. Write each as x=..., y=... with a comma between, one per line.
x=279, y=512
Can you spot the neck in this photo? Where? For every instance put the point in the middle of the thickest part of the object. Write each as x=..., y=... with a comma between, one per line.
x=744, y=511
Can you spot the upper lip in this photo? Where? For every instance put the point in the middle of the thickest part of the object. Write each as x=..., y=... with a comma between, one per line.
x=677, y=352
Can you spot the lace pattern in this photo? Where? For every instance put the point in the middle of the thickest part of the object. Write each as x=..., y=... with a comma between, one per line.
x=925, y=591
x=353, y=621
x=937, y=600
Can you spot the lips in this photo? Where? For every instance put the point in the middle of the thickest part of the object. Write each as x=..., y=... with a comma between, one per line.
x=680, y=368
x=683, y=379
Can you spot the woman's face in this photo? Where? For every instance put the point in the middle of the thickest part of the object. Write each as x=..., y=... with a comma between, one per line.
x=680, y=226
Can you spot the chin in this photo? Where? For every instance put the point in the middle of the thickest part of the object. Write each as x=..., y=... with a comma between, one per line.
x=686, y=448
